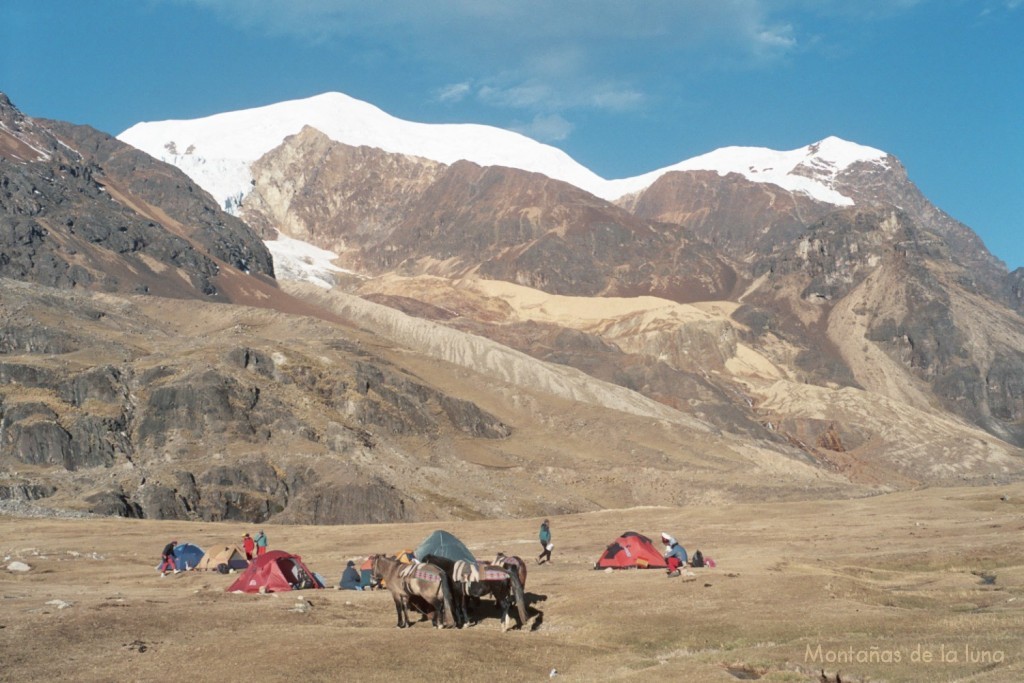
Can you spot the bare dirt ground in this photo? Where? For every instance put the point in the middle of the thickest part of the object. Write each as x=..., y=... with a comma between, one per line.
x=925, y=585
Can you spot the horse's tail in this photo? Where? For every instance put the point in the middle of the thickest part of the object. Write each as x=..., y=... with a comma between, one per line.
x=520, y=595
x=446, y=596
x=521, y=570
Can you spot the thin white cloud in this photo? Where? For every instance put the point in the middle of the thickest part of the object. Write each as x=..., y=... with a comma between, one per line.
x=453, y=92
x=615, y=98
x=775, y=40
x=546, y=128
x=518, y=96
x=863, y=10
x=995, y=9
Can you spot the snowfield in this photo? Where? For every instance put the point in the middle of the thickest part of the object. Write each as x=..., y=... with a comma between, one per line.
x=217, y=151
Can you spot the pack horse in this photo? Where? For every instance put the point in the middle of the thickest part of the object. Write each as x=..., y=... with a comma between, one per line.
x=407, y=581
x=471, y=580
x=513, y=563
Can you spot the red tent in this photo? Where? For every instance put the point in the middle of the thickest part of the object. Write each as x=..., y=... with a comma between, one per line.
x=274, y=572
x=631, y=550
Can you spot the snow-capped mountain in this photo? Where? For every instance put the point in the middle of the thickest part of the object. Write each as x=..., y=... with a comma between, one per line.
x=811, y=170
x=218, y=151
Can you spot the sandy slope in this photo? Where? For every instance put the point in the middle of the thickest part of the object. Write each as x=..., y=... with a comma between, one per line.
x=887, y=434
x=799, y=587
x=642, y=324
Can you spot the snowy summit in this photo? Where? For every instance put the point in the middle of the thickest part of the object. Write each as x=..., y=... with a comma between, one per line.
x=217, y=151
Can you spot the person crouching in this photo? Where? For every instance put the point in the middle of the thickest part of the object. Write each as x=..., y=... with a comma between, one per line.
x=675, y=554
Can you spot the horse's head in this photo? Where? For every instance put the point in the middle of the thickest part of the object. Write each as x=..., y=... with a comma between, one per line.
x=376, y=566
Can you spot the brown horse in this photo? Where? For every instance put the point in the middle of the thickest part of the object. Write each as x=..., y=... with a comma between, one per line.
x=405, y=581
x=513, y=562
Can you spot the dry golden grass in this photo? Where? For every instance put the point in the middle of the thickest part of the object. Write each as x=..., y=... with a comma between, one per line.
x=849, y=586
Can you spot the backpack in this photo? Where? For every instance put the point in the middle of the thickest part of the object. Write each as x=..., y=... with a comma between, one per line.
x=698, y=559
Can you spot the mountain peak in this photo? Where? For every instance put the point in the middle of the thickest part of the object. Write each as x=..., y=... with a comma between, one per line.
x=841, y=154
x=217, y=151
x=810, y=170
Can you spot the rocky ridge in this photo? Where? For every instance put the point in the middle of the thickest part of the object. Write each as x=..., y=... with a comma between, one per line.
x=82, y=209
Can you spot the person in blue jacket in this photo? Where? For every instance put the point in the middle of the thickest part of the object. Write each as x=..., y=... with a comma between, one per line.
x=350, y=578
x=675, y=554
x=545, y=542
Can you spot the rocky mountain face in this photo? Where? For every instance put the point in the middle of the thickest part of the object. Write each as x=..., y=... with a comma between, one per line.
x=738, y=217
x=81, y=209
x=165, y=409
x=508, y=344
x=385, y=212
x=334, y=195
x=747, y=220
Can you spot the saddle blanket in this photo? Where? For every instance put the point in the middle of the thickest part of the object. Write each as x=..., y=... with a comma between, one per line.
x=419, y=571
x=493, y=574
x=427, y=575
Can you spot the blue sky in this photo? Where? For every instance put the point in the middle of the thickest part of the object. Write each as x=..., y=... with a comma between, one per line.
x=623, y=86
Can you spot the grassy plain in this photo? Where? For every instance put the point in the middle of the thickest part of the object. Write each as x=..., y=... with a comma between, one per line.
x=926, y=585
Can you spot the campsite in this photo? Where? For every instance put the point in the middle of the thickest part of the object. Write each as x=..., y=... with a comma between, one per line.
x=920, y=585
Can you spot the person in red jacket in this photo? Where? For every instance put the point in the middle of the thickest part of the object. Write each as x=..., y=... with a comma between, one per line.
x=248, y=545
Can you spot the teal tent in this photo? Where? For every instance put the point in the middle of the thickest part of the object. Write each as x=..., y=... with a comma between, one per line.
x=443, y=544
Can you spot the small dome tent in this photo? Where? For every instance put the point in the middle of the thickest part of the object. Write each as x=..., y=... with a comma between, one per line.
x=443, y=544
x=274, y=572
x=631, y=550
x=230, y=556
x=187, y=556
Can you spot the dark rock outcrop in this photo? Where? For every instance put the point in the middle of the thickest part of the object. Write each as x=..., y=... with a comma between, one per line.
x=211, y=440
x=80, y=209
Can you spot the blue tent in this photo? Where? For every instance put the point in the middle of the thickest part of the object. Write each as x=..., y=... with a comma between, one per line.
x=187, y=556
x=443, y=544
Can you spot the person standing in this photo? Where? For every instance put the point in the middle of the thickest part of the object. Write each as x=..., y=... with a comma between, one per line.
x=545, y=542
x=248, y=545
x=261, y=543
x=675, y=554
x=167, y=557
